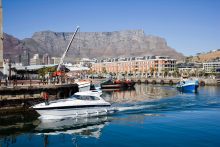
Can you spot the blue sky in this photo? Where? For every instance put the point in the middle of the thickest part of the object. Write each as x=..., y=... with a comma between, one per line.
x=189, y=26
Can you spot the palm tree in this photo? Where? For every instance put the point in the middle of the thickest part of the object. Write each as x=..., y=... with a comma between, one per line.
x=176, y=72
x=145, y=71
x=151, y=71
x=201, y=72
x=213, y=70
x=162, y=72
x=155, y=71
x=166, y=71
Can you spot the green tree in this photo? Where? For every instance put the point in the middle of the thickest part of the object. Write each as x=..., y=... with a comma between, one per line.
x=45, y=70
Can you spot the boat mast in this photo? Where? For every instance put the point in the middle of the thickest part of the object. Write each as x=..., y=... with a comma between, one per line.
x=68, y=47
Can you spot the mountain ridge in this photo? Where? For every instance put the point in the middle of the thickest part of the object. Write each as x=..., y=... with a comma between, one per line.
x=92, y=44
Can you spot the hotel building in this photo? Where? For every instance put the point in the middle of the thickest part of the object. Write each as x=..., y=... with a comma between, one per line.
x=211, y=67
x=145, y=66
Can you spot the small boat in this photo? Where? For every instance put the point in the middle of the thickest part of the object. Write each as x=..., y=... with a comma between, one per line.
x=110, y=84
x=81, y=104
x=188, y=85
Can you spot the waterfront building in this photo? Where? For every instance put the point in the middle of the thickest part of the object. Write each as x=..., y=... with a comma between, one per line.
x=55, y=60
x=35, y=60
x=190, y=69
x=8, y=65
x=25, y=58
x=46, y=59
x=86, y=62
x=77, y=70
x=139, y=66
x=211, y=67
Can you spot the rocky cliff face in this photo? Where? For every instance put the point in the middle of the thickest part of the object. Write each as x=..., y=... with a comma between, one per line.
x=94, y=44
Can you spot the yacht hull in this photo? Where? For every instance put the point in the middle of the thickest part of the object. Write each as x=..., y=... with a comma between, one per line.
x=188, y=88
x=59, y=113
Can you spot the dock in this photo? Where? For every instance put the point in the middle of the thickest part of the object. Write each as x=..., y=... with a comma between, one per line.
x=25, y=93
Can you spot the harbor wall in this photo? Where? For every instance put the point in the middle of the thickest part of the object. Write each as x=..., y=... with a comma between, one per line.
x=171, y=81
x=18, y=98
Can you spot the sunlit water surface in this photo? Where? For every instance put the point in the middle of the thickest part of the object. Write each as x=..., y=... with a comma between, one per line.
x=149, y=115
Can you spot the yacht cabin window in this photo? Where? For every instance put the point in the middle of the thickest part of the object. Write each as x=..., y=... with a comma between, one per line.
x=85, y=97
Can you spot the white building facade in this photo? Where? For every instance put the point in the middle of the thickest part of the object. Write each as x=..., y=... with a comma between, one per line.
x=211, y=67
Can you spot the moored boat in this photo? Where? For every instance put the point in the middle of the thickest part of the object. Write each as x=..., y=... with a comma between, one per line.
x=110, y=84
x=188, y=85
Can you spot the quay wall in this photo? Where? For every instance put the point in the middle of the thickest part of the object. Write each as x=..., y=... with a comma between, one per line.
x=171, y=81
x=23, y=96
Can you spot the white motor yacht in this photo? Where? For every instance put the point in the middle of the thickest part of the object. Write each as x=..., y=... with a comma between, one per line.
x=81, y=104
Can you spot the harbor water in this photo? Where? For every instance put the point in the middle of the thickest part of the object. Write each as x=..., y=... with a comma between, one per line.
x=148, y=115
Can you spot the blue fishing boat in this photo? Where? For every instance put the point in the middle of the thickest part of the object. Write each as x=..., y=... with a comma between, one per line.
x=188, y=85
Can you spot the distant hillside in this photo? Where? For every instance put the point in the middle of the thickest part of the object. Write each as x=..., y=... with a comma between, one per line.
x=91, y=44
x=210, y=56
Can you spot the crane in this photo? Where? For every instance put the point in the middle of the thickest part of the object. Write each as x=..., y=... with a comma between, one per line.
x=67, y=49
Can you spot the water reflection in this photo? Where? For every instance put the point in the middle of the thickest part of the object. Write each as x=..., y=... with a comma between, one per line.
x=85, y=127
x=16, y=124
x=88, y=127
x=12, y=128
x=141, y=92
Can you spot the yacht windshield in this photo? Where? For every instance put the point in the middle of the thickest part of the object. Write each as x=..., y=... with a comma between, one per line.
x=85, y=97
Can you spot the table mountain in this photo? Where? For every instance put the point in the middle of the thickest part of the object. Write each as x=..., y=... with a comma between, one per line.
x=91, y=44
